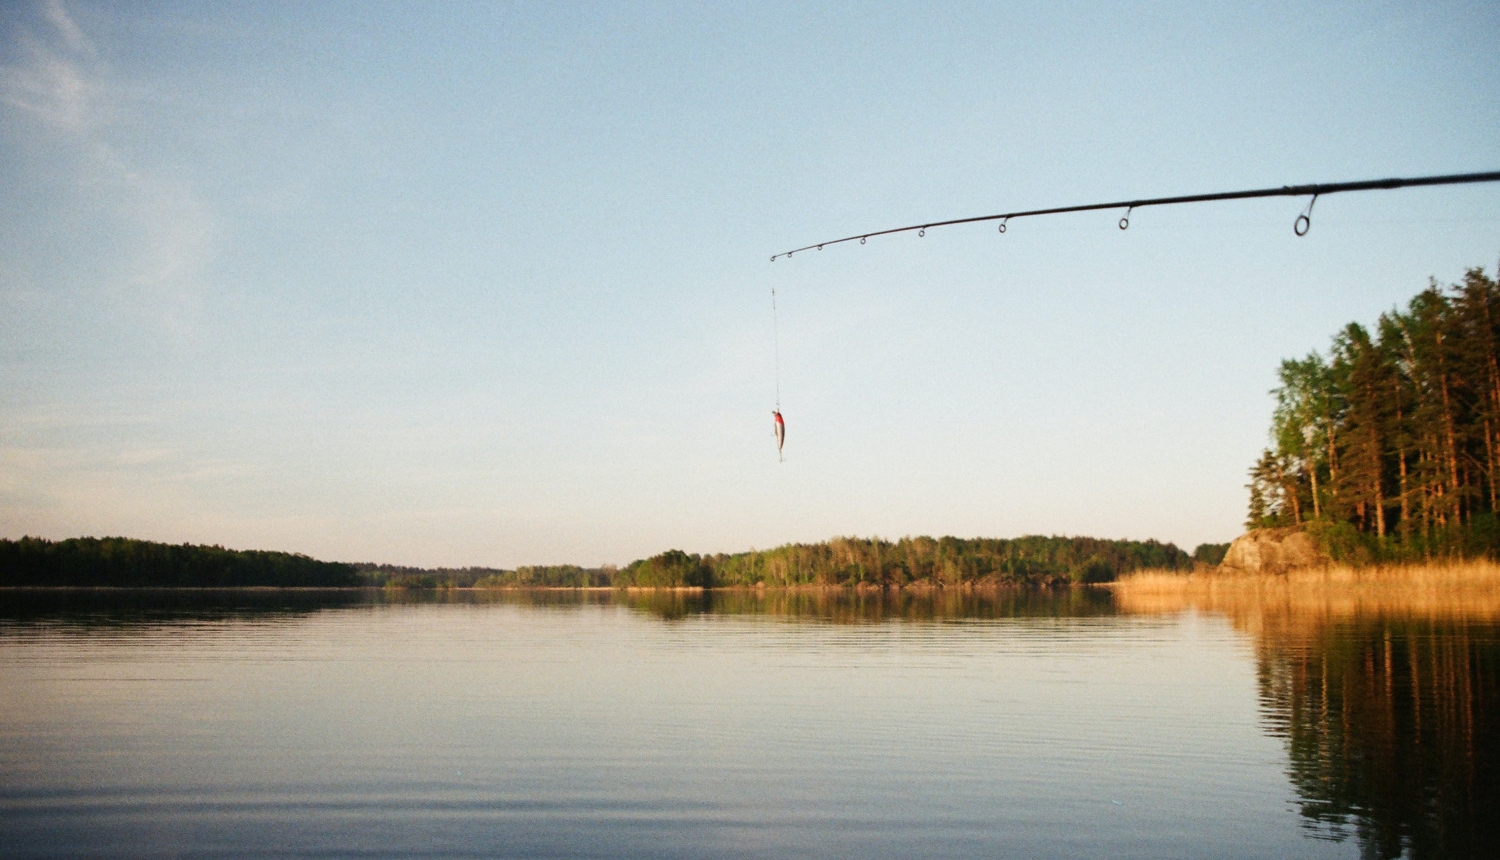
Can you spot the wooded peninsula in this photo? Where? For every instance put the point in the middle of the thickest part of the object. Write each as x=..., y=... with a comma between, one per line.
x=943, y=562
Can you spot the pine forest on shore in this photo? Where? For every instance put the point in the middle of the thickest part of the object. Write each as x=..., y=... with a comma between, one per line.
x=1387, y=449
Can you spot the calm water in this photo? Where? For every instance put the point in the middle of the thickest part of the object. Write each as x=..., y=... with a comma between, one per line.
x=1029, y=725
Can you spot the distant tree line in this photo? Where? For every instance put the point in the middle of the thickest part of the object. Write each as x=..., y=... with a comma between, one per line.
x=124, y=562
x=551, y=576
x=1389, y=447
x=401, y=576
x=943, y=561
x=528, y=576
x=844, y=561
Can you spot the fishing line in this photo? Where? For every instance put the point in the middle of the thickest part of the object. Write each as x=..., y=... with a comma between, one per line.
x=1300, y=226
x=776, y=348
x=779, y=424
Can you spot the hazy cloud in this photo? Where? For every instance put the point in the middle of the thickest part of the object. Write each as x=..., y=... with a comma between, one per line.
x=59, y=79
x=55, y=81
x=71, y=35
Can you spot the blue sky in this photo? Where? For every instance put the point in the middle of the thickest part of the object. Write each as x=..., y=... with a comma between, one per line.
x=453, y=284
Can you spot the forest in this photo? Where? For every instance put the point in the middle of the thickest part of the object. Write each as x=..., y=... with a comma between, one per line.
x=526, y=576
x=1388, y=447
x=118, y=562
x=946, y=561
x=845, y=561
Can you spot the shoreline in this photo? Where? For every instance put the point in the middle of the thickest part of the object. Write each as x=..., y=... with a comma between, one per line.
x=862, y=588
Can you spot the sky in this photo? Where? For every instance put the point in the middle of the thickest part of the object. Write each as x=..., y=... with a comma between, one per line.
x=490, y=283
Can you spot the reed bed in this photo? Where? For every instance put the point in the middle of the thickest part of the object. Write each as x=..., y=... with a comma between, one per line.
x=1464, y=590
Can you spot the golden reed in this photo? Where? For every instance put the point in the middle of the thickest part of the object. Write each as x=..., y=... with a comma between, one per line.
x=1462, y=590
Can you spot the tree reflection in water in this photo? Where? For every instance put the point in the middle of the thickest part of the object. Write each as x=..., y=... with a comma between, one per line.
x=1391, y=728
x=1390, y=707
x=856, y=606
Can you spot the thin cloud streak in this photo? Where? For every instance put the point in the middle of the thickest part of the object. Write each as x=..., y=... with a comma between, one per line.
x=72, y=36
x=64, y=85
x=57, y=82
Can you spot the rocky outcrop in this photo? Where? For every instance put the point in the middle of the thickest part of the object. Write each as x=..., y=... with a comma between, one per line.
x=1272, y=551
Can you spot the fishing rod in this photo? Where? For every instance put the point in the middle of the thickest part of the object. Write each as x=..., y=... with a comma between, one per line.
x=1300, y=226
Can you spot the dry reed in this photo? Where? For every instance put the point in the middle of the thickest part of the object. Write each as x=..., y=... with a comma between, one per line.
x=1467, y=591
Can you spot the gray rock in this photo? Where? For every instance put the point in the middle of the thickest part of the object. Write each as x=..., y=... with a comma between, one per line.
x=1272, y=551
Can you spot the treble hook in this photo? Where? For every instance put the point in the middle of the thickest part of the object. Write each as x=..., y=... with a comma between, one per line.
x=1125, y=221
x=1002, y=223
x=1304, y=221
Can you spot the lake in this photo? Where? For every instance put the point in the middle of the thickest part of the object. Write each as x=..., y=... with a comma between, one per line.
x=597, y=724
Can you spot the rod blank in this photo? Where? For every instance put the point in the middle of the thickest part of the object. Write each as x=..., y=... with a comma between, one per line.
x=1303, y=221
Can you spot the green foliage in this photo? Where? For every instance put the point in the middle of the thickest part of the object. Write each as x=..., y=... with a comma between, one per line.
x=1481, y=536
x=1092, y=571
x=671, y=569
x=1390, y=447
x=536, y=576
x=1342, y=542
x=123, y=563
x=563, y=576
x=414, y=580
x=1272, y=495
x=848, y=561
x=1210, y=553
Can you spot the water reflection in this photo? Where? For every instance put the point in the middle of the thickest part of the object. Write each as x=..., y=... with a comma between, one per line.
x=107, y=608
x=541, y=724
x=136, y=607
x=850, y=606
x=1390, y=712
x=831, y=605
x=1391, y=731
x=1389, y=708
